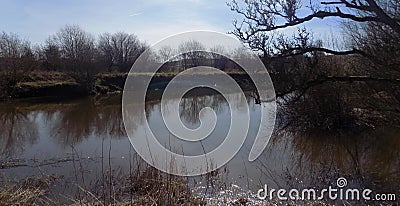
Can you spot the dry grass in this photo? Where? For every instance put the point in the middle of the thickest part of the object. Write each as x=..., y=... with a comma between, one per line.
x=150, y=187
x=47, y=76
x=39, y=84
x=154, y=188
x=31, y=191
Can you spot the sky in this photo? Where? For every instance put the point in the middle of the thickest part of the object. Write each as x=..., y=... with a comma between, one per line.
x=150, y=20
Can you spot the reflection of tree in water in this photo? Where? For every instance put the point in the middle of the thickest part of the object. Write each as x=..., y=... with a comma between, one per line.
x=110, y=121
x=69, y=123
x=75, y=122
x=86, y=118
x=17, y=130
x=337, y=105
x=89, y=116
x=371, y=158
x=380, y=160
x=190, y=106
x=343, y=129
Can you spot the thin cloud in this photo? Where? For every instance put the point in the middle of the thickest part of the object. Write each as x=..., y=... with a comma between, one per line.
x=136, y=14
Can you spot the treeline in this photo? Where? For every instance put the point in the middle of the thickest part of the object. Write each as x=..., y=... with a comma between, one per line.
x=79, y=56
x=71, y=50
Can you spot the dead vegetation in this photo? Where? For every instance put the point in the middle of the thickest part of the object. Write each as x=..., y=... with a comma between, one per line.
x=31, y=191
x=150, y=187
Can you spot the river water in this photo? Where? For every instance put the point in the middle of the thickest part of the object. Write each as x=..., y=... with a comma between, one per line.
x=80, y=140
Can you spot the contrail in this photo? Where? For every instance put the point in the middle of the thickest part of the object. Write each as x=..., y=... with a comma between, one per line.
x=136, y=14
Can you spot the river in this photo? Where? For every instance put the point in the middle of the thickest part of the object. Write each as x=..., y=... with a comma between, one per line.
x=80, y=140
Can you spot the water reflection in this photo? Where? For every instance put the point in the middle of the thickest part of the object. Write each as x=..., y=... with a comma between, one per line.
x=190, y=107
x=87, y=117
x=294, y=158
x=68, y=123
x=368, y=158
x=17, y=130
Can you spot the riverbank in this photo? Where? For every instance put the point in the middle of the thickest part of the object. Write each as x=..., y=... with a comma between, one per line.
x=150, y=187
x=317, y=95
x=58, y=84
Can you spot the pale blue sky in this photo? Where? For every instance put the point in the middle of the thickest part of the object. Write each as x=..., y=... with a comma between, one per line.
x=150, y=20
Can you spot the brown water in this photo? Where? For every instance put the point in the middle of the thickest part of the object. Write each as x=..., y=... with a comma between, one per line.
x=81, y=140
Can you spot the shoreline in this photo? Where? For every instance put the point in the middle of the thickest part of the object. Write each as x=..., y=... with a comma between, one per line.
x=63, y=86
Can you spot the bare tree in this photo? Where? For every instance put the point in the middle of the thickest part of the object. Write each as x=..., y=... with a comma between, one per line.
x=219, y=61
x=105, y=48
x=373, y=31
x=77, y=51
x=120, y=50
x=16, y=58
x=51, y=55
x=14, y=53
x=372, y=28
x=165, y=53
x=191, y=53
x=261, y=16
x=378, y=40
x=75, y=43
